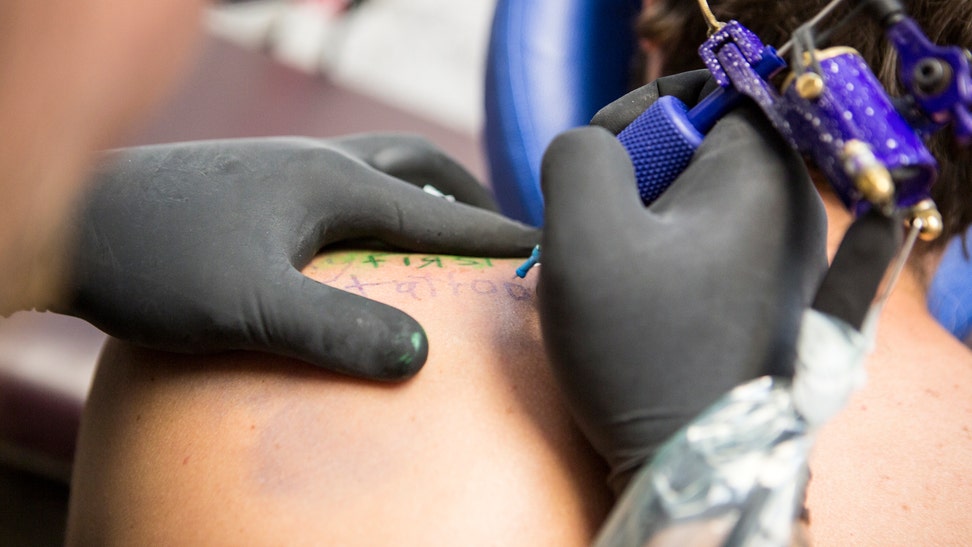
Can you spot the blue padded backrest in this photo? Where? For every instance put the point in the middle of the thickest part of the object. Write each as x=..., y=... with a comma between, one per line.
x=950, y=292
x=552, y=65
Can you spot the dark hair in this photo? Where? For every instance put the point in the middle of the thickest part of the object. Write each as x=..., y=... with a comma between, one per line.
x=678, y=28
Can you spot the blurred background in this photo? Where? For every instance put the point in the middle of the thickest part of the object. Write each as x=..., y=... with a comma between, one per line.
x=426, y=57
x=267, y=67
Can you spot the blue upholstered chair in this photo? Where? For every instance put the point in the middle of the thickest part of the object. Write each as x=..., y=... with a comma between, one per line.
x=950, y=293
x=552, y=65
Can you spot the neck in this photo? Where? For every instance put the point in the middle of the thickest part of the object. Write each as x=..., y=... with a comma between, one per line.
x=902, y=440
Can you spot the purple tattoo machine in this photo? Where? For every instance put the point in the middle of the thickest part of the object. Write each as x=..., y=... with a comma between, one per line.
x=830, y=107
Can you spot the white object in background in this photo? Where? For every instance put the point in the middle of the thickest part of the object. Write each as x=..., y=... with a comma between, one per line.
x=248, y=24
x=427, y=57
x=54, y=352
x=308, y=34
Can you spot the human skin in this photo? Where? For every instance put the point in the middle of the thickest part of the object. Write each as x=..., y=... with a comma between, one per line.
x=247, y=448
x=76, y=75
x=894, y=467
x=478, y=447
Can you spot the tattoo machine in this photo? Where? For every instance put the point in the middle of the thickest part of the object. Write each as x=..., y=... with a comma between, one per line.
x=831, y=108
x=736, y=474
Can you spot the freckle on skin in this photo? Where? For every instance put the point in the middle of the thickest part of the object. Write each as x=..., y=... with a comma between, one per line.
x=185, y=460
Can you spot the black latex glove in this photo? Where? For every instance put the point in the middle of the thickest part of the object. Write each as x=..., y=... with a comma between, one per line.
x=649, y=315
x=688, y=87
x=197, y=247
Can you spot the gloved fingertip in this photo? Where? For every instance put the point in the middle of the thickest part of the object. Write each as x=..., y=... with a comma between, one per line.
x=341, y=331
x=393, y=350
x=522, y=242
x=404, y=355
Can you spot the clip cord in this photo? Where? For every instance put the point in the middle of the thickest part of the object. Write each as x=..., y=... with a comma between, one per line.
x=805, y=45
x=785, y=48
x=805, y=38
x=710, y=18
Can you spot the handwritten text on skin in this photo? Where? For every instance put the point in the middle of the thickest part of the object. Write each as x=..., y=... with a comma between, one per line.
x=423, y=283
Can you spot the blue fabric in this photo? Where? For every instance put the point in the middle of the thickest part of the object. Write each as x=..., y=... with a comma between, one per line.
x=950, y=292
x=552, y=64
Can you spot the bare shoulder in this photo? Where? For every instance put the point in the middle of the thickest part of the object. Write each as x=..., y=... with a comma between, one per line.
x=249, y=448
x=896, y=467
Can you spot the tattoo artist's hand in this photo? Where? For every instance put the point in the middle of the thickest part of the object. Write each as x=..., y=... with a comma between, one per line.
x=197, y=247
x=650, y=314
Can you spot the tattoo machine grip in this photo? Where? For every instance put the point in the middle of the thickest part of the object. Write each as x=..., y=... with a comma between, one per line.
x=661, y=142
